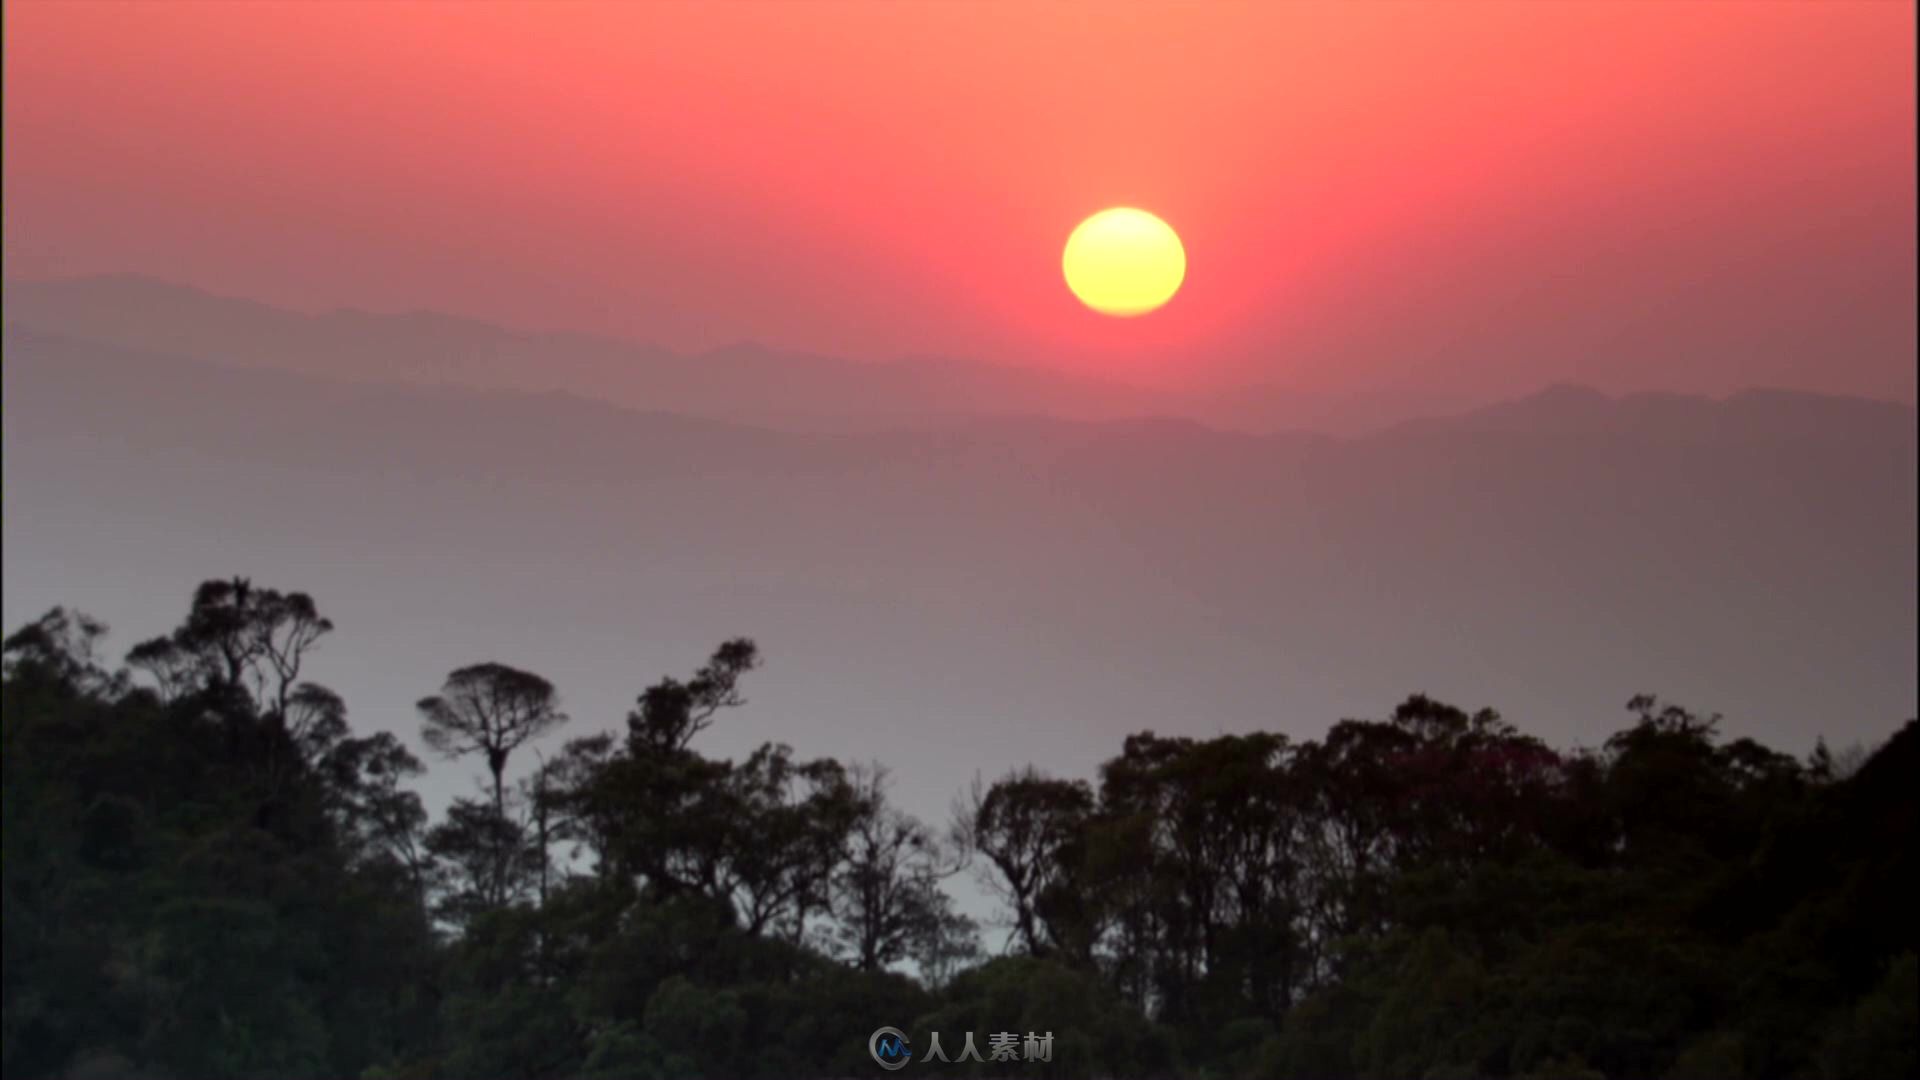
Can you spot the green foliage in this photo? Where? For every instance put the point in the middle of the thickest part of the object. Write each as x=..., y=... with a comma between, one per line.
x=1096, y=1031
x=207, y=873
x=1876, y=1036
x=1427, y=1018
x=161, y=860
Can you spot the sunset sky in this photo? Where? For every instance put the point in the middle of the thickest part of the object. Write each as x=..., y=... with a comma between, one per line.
x=1477, y=198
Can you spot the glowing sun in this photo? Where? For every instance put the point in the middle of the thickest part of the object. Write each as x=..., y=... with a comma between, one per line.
x=1124, y=262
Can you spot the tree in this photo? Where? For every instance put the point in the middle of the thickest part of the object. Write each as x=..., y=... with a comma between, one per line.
x=223, y=879
x=563, y=791
x=59, y=647
x=1026, y=825
x=377, y=816
x=248, y=638
x=169, y=914
x=886, y=891
x=316, y=718
x=944, y=940
x=485, y=858
x=786, y=829
x=670, y=712
x=490, y=709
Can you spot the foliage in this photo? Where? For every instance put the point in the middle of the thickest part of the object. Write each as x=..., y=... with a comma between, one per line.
x=208, y=873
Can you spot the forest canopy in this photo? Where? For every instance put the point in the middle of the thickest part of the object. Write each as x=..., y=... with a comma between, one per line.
x=209, y=873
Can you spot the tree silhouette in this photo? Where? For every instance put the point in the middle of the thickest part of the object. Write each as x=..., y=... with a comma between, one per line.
x=209, y=873
x=886, y=891
x=489, y=709
x=1026, y=826
x=240, y=636
x=670, y=713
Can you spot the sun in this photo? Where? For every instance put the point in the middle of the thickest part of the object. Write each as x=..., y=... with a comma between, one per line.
x=1124, y=262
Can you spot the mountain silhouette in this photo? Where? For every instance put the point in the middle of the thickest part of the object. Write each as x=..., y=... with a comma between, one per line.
x=746, y=382
x=993, y=591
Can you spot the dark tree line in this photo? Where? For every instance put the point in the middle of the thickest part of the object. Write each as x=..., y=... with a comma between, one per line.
x=207, y=873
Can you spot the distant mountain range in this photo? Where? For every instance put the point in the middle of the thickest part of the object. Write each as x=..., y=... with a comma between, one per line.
x=744, y=382
x=982, y=591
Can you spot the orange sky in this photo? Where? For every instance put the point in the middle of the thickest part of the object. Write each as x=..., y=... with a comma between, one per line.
x=1477, y=198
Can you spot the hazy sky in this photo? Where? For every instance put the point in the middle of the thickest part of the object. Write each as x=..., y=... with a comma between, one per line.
x=1481, y=198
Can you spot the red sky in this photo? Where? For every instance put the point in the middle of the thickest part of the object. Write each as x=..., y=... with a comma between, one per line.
x=1470, y=198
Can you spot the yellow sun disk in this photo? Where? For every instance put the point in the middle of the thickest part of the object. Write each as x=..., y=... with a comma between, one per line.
x=1124, y=262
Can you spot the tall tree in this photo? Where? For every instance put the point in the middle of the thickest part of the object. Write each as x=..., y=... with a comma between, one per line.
x=1027, y=826
x=490, y=709
x=670, y=712
x=59, y=647
x=239, y=635
x=786, y=830
x=885, y=887
x=486, y=860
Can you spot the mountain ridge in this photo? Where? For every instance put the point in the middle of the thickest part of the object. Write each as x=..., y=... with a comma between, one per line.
x=1094, y=577
x=1558, y=408
x=753, y=381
